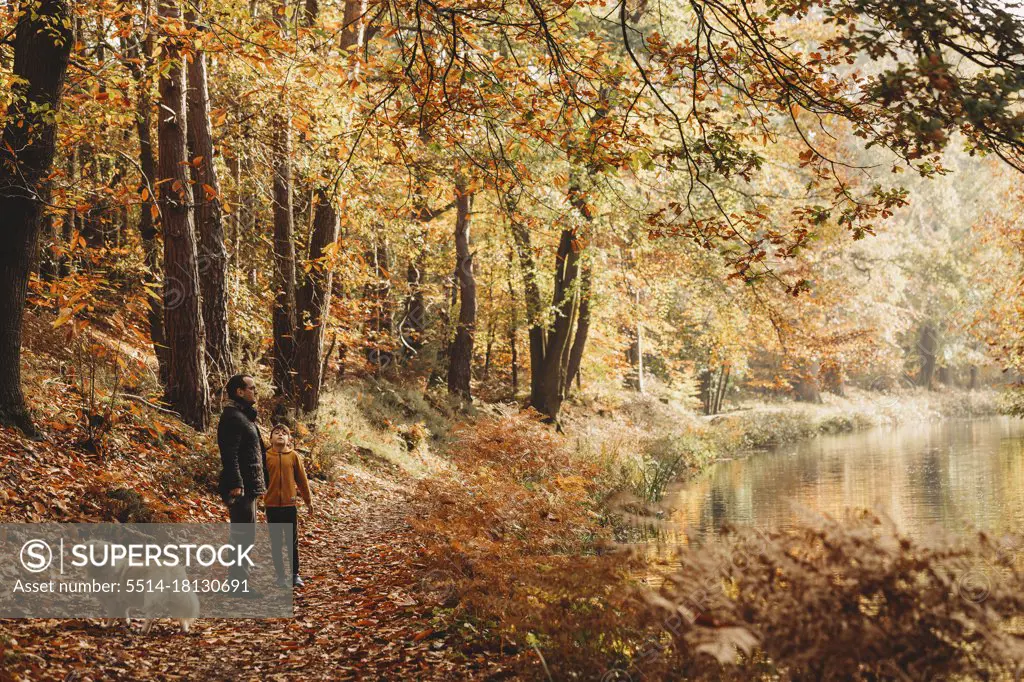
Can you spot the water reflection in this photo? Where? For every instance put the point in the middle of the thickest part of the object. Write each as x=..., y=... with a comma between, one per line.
x=951, y=476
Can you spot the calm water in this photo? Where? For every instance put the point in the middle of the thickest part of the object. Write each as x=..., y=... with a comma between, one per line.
x=947, y=477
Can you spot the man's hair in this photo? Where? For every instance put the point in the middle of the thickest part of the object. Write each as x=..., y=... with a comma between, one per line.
x=236, y=382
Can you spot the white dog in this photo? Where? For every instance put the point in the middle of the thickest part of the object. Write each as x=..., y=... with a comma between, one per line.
x=144, y=602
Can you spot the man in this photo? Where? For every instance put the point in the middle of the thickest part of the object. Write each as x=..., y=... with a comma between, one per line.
x=243, y=460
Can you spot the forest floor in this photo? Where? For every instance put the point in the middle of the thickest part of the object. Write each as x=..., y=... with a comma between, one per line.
x=365, y=612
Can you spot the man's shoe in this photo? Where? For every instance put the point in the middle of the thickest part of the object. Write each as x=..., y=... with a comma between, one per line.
x=281, y=581
x=297, y=581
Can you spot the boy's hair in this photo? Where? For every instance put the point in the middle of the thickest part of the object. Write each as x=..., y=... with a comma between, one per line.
x=280, y=427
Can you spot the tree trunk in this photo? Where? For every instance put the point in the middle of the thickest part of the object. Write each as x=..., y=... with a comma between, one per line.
x=187, y=391
x=552, y=380
x=570, y=301
x=705, y=389
x=927, y=346
x=213, y=256
x=461, y=352
x=551, y=355
x=439, y=373
x=524, y=251
x=513, y=328
x=579, y=342
x=352, y=32
x=314, y=300
x=805, y=385
x=515, y=360
x=310, y=12
x=148, y=208
x=42, y=47
x=245, y=251
x=378, y=290
x=723, y=384
x=284, y=321
x=414, y=324
x=832, y=378
x=414, y=321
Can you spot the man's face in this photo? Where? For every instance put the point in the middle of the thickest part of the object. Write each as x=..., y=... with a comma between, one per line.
x=248, y=392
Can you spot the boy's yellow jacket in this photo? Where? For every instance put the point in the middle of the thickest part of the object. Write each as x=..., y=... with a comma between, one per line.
x=285, y=474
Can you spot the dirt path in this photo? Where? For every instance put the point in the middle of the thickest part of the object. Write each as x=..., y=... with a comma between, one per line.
x=365, y=613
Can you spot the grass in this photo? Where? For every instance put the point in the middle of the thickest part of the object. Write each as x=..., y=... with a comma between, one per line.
x=378, y=425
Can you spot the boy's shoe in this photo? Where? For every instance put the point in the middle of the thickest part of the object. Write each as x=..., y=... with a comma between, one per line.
x=297, y=581
x=281, y=581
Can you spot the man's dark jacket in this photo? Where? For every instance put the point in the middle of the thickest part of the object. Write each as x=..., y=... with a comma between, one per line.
x=243, y=456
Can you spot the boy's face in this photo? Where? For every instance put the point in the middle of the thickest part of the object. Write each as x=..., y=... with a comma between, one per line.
x=280, y=438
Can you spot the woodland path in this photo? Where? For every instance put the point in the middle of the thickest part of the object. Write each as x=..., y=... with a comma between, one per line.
x=365, y=613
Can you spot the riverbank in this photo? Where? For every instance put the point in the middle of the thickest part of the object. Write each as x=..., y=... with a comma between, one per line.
x=522, y=530
x=650, y=443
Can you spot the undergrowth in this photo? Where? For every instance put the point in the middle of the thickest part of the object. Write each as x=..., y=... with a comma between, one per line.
x=514, y=538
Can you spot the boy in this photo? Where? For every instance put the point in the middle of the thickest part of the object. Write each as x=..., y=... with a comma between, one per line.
x=286, y=477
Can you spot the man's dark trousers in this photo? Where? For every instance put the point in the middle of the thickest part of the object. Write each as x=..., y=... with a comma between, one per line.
x=243, y=534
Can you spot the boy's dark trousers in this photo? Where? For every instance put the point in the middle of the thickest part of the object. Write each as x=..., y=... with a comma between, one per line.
x=283, y=515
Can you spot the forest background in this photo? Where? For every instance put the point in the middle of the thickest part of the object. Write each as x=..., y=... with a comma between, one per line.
x=468, y=209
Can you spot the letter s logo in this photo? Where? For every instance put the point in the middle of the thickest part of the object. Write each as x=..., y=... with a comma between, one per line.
x=36, y=556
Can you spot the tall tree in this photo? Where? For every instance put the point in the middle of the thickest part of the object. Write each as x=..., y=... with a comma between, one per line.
x=42, y=47
x=556, y=352
x=313, y=295
x=209, y=219
x=284, y=317
x=553, y=376
x=139, y=60
x=460, y=354
x=314, y=302
x=531, y=289
x=187, y=390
